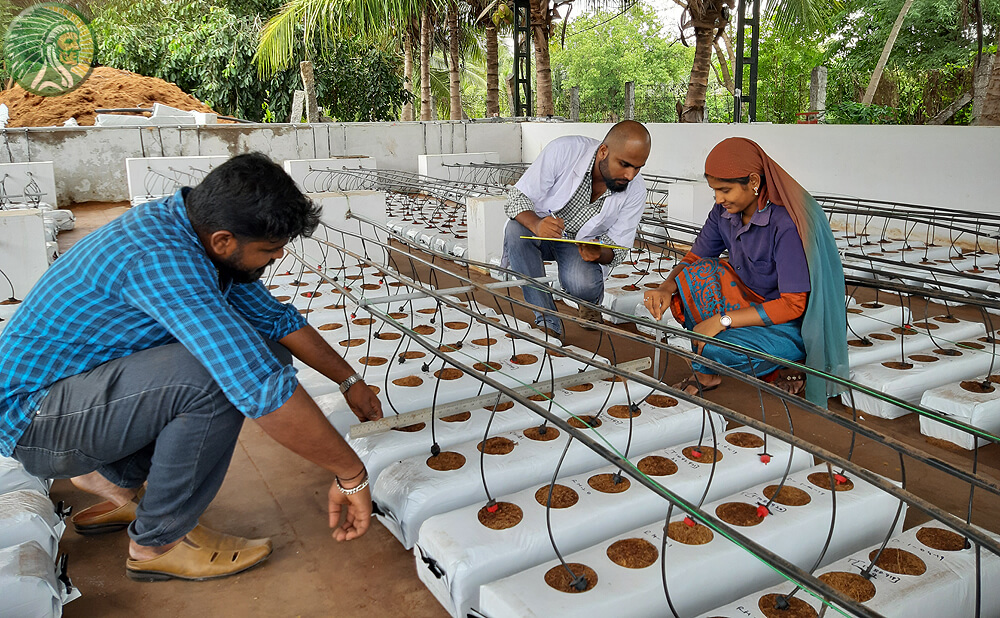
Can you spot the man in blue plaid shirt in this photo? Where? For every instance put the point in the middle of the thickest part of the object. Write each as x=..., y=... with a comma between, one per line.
x=138, y=354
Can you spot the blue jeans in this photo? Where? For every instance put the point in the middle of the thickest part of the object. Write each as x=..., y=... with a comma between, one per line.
x=155, y=415
x=584, y=280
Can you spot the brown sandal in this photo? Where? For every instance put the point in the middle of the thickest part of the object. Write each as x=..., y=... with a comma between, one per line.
x=692, y=381
x=792, y=381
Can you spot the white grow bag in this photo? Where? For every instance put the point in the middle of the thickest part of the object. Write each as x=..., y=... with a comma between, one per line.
x=980, y=410
x=863, y=319
x=381, y=450
x=884, y=344
x=29, y=587
x=409, y=492
x=27, y=515
x=700, y=577
x=946, y=588
x=13, y=477
x=910, y=384
x=468, y=554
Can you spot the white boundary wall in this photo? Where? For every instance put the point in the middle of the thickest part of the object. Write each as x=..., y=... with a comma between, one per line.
x=952, y=167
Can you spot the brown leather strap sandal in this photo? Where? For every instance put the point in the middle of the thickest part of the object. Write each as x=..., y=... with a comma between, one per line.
x=193, y=561
x=105, y=517
x=220, y=540
x=693, y=382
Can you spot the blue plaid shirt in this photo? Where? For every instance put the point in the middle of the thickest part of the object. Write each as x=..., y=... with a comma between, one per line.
x=144, y=280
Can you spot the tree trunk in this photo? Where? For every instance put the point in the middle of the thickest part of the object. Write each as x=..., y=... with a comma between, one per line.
x=425, y=63
x=540, y=20
x=990, y=116
x=694, y=102
x=492, y=72
x=408, y=73
x=877, y=73
x=309, y=85
x=455, y=81
x=980, y=82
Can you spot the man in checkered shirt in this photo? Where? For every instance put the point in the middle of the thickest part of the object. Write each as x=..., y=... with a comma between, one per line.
x=136, y=357
x=580, y=189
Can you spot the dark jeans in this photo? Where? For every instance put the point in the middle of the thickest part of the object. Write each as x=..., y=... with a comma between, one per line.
x=584, y=280
x=155, y=415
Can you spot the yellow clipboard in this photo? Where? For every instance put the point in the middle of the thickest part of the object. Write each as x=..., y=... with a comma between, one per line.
x=576, y=242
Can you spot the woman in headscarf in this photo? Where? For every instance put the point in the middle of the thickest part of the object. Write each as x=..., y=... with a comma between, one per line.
x=781, y=291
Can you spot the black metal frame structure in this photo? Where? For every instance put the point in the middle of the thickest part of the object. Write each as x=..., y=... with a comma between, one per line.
x=746, y=95
x=522, y=58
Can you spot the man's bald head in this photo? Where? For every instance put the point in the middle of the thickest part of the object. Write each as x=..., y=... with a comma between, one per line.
x=622, y=153
x=627, y=133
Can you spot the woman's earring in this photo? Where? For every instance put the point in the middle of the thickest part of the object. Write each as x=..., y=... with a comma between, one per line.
x=755, y=190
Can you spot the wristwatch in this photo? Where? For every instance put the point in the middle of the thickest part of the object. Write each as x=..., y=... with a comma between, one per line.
x=725, y=320
x=349, y=382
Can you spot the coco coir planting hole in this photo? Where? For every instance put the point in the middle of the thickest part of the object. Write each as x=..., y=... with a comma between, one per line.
x=461, y=417
x=456, y=325
x=389, y=336
x=330, y=326
x=882, y=337
x=689, y=535
x=633, y=553
x=822, y=480
x=535, y=433
x=899, y=561
x=524, y=359
x=506, y=515
x=851, y=585
x=484, y=341
x=397, y=315
x=702, y=454
x=408, y=381
x=738, y=514
x=797, y=608
x=560, y=579
x=351, y=343
x=424, y=329
x=496, y=446
x=445, y=461
x=373, y=361
x=605, y=483
x=585, y=422
x=500, y=407
x=580, y=388
x=940, y=539
x=364, y=321
x=789, y=496
x=654, y=465
x=412, y=354
x=487, y=367
x=661, y=401
x=562, y=497
x=623, y=412
x=743, y=439
x=541, y=397
x=448, y=374
x=410, y=428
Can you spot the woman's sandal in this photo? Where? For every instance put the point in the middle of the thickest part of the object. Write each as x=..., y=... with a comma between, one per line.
x=692, y=381
x=792, y=381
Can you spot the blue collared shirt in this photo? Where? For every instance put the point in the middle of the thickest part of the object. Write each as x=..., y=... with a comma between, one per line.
x=142, y=281
x=766, y=253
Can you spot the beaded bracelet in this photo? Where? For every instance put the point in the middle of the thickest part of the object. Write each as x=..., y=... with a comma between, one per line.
x=351, y=478
x=353, y=490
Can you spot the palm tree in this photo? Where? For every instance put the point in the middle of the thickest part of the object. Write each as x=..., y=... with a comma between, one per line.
x=490, y=16
x=454, y=80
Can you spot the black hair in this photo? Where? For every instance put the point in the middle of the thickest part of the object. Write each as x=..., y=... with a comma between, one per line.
x=745, y=180
x=252, y=197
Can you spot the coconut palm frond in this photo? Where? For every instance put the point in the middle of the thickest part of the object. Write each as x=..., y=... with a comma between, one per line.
x=798, y=16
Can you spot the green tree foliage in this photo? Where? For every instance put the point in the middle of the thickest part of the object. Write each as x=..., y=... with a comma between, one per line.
x=602, y=53
x=208, y=51
x=784, y=70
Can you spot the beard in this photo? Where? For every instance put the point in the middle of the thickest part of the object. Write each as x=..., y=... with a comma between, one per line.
x=615, y=185
x=233, y=268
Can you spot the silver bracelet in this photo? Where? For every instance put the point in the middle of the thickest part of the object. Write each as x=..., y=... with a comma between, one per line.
x=349, y=382
x=353, y=490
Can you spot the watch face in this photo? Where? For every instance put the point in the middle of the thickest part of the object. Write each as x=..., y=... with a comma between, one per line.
x=726, y=321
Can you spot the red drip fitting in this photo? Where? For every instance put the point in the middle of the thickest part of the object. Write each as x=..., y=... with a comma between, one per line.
x=696, y=453
x=840, y=479
x=494, y=508
x=762, y=511
x=689, y=522
x=765, y=458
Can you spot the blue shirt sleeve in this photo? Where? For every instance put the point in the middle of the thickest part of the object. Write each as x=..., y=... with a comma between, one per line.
x=710, y=242
x=180, y=293
x=269, y=317
x=790, y=260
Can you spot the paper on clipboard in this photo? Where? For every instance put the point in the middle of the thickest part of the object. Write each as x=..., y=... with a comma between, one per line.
x=576, y=242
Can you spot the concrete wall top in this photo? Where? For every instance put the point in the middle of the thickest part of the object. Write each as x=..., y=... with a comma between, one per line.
x=950, y=167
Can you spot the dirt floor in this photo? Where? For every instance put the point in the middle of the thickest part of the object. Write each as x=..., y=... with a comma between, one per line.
x=272, y=492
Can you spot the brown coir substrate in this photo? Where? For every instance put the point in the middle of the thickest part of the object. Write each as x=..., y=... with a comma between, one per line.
x=789, y=496
x=410, y=428
x=540, y=397
x=485, y=341
x=500, y=407
x=330, y=326
x=977, y=386
x=797, y=608
x=408, y=381
x=449, y=373
x=456, y=325
x=702, y=454
x=661, y=401
x=461, y=417
x=743, y=439
x=689, y=535
x=507, y=515
x=364, y=321
x=621, y=411
x=496, y=446
x=851, y=585
x=389, y=336
x=445, y=461
x=562, y=497
x=654, y=465
x=424, y=329
x=897, y=365
x=633, y=553
x=899, y=561
x=605, y=483
x=485, y=367
x=738, y=514
x=822, y=480
x=559, y=578
x=535, y=433
x=350, y=343
x=580, y=388
x=373, y=361
x=585, y=422
x=412, y=355
x=524, y=359
x=940, y=539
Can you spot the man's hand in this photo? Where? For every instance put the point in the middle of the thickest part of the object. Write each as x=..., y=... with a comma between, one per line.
x=363, y=402
x=358, y=516
x=658, y=300
x=550, y=227
x=710, y=328
x=590, y=253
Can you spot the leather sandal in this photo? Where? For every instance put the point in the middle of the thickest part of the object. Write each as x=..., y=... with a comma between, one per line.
x=193, y=561
x=222, y=541
x=692, y=381
x=791, y=381
x=105, y=517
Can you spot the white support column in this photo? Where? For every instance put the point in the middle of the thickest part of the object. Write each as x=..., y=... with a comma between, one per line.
x=436, y=166
x=337, y=208
x=486, y=221
x=23, y=254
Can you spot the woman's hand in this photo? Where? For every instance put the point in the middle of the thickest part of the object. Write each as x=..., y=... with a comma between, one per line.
x=710, y=328
x=658, y=300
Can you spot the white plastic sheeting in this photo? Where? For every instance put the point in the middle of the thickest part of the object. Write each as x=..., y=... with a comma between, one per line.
x=409, y=492
x=866, y=318
x=979, y=409
x=946, y=588
x=468, y=554
x=13, y=477
x=29, y=586
x=884, y=345
x=700, y=577
x=910, y=384
x=27, y=515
